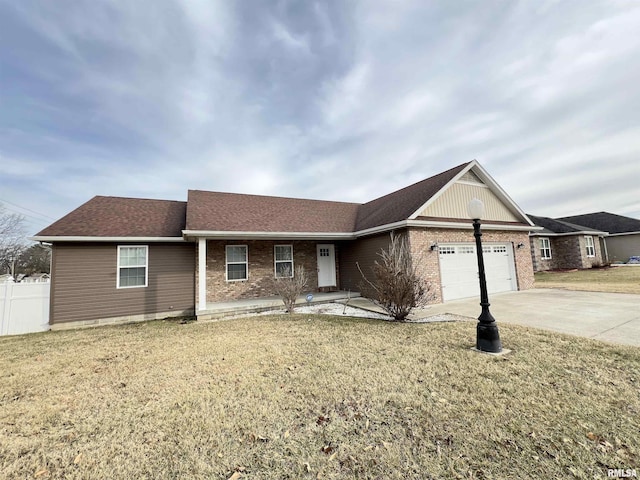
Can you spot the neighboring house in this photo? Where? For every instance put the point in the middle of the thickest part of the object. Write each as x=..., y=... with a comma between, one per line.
x=564, y=245
x=131, y=259
x=623, y=240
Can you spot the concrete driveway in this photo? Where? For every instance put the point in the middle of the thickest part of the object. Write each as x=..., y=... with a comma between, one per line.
x=612, y=317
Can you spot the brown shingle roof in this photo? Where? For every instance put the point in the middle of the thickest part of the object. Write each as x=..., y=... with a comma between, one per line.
x=231, y=212
x=401, y=204
x=121, y=217
x=215, y=211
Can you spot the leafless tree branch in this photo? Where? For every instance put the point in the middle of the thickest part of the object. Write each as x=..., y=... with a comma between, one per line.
x=12, y=231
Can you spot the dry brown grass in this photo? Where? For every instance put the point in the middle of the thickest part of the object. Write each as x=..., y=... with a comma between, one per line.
x=611, y=280
x=314, y=397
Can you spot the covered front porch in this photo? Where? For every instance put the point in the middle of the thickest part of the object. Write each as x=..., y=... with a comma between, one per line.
x=217, y=310
x=237, y=275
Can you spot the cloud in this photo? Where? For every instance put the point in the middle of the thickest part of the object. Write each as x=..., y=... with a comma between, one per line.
x=344, y=100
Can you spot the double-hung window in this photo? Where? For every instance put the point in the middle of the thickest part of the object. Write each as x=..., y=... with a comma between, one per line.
x=545, y=249
x=591, y=249
x=237, y=263
x=133, y=263
x=283, y=258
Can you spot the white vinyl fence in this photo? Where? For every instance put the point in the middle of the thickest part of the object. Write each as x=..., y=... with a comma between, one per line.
x=24, y=308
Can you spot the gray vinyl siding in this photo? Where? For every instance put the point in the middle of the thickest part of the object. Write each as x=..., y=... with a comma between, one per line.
x=83, y=285
x=621, y=247
x=364, y=252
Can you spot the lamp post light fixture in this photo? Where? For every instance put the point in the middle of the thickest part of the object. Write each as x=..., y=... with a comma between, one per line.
x=487, y=335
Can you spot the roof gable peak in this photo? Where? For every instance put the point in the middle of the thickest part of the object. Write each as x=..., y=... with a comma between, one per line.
x=473, y=181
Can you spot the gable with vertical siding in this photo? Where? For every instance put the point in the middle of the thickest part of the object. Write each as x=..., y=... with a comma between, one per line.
x=453, y=202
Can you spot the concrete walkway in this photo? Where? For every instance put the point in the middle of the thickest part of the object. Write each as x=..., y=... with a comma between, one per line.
x=612, y=317
x=254, y=305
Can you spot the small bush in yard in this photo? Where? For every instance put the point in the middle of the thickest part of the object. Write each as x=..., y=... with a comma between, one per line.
x=396, y=286
x=289, y=287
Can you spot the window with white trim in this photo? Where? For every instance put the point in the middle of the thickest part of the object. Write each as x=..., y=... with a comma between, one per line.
x=545, y=248
x=133, y=263
x=237, y=263
x=283, y=261
x=591, y=249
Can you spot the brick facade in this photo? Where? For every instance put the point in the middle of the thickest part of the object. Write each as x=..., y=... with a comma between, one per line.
x=261, y=261
x=261, y=271
x=567, y=252
x=420, y=241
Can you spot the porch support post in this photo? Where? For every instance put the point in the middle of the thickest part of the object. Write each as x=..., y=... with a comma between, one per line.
x=202, y=273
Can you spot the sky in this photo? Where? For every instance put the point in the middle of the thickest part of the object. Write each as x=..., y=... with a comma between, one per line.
x=338, y=100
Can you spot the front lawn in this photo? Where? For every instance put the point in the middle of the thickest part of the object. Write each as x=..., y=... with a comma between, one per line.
x=314, y=397
x=612, y=280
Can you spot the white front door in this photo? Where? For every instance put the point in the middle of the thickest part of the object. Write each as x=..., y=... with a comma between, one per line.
x=326, y=265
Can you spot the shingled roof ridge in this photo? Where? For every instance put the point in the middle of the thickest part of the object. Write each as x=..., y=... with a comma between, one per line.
x=279, y=197
x=606, y=221
x=591, y=214
x=134, y=198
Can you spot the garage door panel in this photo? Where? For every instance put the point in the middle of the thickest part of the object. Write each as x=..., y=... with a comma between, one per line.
x=459, y=270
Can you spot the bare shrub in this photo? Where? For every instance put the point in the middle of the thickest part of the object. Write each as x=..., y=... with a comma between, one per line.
x=289, y=287
x=397, y=287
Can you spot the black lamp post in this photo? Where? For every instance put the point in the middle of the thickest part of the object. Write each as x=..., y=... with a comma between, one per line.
x=487, y=335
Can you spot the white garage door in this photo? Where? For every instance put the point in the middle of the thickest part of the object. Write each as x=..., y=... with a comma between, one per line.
x=459, y=269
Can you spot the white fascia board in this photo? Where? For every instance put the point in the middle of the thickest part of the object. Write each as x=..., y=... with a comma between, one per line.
x=381, y=229
x=469, y=225
x=53, y=239
x=235, y=235
x=623, y=233
x=436, y=224
x=594, y=233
